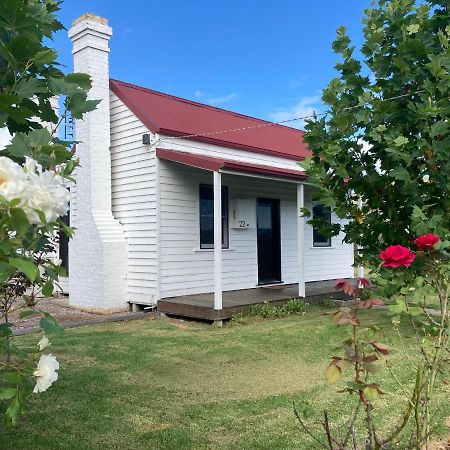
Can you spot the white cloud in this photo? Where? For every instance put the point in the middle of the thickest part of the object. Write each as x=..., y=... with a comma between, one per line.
x=294, y=84
x=207, y=98
x=305, y=107
x=221, y=100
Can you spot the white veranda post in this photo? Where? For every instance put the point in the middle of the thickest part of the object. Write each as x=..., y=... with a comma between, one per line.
x=301, y=240
x=217, y=240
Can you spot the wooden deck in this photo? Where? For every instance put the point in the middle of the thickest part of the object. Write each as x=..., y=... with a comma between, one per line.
x=201, y=306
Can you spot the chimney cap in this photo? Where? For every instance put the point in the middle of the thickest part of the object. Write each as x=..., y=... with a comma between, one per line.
x=91, y=17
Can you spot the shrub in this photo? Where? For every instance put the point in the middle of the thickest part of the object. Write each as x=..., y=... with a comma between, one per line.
x=269, y=311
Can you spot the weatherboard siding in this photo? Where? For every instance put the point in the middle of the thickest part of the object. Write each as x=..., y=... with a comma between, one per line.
x=185, y=269
x=133, y=174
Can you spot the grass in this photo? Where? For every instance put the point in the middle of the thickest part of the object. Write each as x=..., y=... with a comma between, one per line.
x=154, y=384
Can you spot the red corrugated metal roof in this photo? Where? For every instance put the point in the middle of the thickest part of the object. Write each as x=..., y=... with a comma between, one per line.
x=216, y=164
x=174, y=116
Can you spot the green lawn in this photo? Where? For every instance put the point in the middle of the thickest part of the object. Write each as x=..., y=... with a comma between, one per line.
x=155, y=384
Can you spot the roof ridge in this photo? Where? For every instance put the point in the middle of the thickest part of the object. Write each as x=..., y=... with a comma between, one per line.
x=203, y=105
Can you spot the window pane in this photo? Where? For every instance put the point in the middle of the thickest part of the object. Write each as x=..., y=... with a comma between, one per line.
x=321, y=212
x=207, y=216
x=206, y=200
x=207, y=231
x=225, y=242
x=225, y=232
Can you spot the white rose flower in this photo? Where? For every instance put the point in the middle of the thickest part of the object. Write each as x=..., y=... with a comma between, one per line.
x=31, y=165
x=12, y=179
x=46, y=373
x=46, y=192
x=43, y=343
x=426, y=178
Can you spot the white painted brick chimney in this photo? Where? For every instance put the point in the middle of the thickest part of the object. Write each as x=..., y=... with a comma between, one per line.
x=98, y=251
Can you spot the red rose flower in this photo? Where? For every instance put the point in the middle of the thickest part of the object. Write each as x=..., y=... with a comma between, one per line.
x=426, y=241
x=397, y=256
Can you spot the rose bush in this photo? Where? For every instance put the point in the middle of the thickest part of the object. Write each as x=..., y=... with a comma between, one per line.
x=361, y=352
x=35, y=169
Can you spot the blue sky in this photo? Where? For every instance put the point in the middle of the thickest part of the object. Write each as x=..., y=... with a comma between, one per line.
x=265, y=58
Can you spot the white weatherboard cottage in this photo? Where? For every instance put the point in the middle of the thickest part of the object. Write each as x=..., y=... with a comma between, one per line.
x=160, y=213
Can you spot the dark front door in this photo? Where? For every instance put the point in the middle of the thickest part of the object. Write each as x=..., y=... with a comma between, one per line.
x=268, y=236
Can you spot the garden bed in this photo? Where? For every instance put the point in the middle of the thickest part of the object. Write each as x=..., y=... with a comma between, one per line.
x=65, y=315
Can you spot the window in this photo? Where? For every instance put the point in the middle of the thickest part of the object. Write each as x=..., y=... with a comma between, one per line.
x=207, y=216
x=321, y=212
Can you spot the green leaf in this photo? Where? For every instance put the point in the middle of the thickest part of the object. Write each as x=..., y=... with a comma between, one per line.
x=399, y=307
x=83, y=80
x=46, y=56
x=439, y=128
x=7, y=393
x=7, y=100
x=15, y=202
x=333, y=373
x=47, y=290
x=436, y=66
x=413, y=28
x=441, y=245
x=79, y=105
x=50, y=325
x=39, y=137
x=11, y=376
x=26, y=266
x=57, y=153
x=6, y=53
x=371, y=393
x=5, y=329
x=12, y=413
x=25, y=314
x=400, y=141
x=400, y=173
x=29, y=87
x=306, y=410
x=415, y=311
x=418, y=214
x=19, y=146
x=18, y=220
x=6, y=271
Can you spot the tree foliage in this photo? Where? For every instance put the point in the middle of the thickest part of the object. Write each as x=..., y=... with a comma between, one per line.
x=386, y=137
x=30, y=77
x=381, y=159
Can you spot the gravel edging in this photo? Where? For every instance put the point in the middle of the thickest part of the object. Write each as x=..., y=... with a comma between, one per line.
x=125, y=317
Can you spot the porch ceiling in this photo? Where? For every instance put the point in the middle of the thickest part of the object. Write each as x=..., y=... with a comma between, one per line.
x=219, y=164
